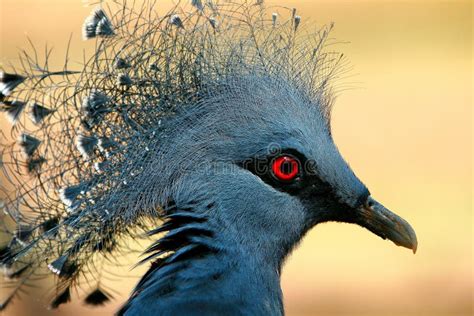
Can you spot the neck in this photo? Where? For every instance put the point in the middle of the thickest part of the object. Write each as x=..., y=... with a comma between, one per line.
x=205, y=273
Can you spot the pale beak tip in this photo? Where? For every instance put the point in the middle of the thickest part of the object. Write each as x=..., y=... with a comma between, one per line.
x=415, y=246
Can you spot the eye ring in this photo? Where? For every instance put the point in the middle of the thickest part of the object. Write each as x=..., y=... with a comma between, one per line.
x=285, y=168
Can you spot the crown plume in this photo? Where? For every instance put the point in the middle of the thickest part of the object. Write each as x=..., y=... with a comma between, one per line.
x=91, y=173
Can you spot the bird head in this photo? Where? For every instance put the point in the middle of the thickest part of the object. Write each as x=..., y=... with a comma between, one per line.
x=262, y=152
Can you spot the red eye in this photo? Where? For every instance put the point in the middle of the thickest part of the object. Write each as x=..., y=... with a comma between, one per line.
x=285, y=168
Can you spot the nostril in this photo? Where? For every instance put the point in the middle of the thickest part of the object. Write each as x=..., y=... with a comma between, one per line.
x=370, y=202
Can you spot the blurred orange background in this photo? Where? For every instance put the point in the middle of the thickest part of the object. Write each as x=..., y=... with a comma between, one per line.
x=406, y=129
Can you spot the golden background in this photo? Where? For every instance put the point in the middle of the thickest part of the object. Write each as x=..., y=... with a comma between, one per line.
x=406, y=130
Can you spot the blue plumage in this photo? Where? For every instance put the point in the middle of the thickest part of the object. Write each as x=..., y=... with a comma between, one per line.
x=206, y=131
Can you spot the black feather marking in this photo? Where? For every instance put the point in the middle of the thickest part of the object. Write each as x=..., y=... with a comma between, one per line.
x=183, y=228
x=153, y=67
x=104, y=28
x=39, y=112
x=177, y=220
x=63, y=267
x=6, y=255
x=176, y=21
x=95, y=105
x=297, y=20
x=97, y=297
x=29, y=144
x=190, y=252
x=164, y=244
x=155, y=256
x=163, y=228
x=124, y=80
x=23, y=233
x=57, y=265
x=213, y=22
x=12, y=109
x=69, y=195
x=121, y=63
x=62, y=298
x=198, y=4
x=8, y=82
x=4, y=251
x=50, y=226
x=34, y=164
x=181, y=243
x=97, y=24
x=178, y=238
x=86, y=145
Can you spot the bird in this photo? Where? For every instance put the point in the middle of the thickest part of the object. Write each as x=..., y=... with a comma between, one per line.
x=205, y=131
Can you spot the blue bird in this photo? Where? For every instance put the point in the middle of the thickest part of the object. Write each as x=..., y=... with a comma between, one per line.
x=206, y=131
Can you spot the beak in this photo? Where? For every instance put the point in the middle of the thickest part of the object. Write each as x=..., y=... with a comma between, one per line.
x=379, y=220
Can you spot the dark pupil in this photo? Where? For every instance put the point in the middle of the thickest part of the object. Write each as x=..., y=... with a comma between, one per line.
x=286, y=167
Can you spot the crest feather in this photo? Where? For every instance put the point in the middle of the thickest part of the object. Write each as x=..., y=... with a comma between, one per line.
x=95, y=173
